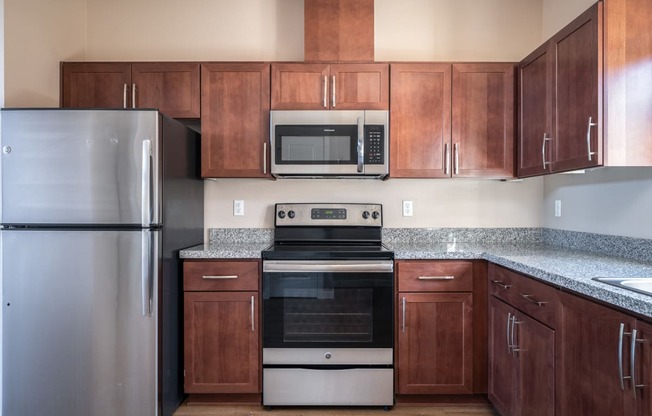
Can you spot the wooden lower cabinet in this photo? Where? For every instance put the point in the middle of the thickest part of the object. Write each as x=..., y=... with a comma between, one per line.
x=643, y=369
x=221, y=327
x=521, y=362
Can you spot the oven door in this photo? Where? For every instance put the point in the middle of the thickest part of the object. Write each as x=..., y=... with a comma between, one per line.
x=334, y=304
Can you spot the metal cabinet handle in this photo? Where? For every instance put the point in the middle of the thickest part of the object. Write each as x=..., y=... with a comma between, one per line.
x=447, y=157
x=436, y=277
x=632, y=362
x=325, y=91
x=133, y=95
x=333, y=100
x=588, y=137
x=530, y=299
x=543, y=149
x=622, y=377
x=403, y=317
x=265, y=158
x=456, y=151
x=234, y=276
x=509, y=344
x=124, y=95
x=501, y=284
x=253, y=308
x=513, y=343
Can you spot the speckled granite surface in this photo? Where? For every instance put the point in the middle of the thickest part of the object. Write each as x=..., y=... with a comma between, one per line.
x=568, y=260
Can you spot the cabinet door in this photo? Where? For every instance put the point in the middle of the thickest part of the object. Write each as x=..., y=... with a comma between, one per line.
x=483, y=120
x=300, y=87
x=577, y=140
x=535, y=381
x=420, y=121
x=537, y=95
x=502, y=365
x=643, y=369
x=171, y=87
x=435, y=347
x=235, y=120
x=359, y=87
x=588, y=381
x=95, y=85
x=221, y=348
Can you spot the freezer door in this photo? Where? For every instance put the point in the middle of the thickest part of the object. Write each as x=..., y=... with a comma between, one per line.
x=63, y=166
x=76, y=340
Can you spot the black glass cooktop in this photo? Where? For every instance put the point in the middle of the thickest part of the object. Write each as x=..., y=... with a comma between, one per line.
x=327, y=251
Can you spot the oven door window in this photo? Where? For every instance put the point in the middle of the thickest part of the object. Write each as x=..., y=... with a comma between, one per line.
x=316, y=145
x=327, y=309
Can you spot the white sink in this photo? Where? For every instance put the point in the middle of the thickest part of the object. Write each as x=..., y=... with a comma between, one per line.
x=637, y=284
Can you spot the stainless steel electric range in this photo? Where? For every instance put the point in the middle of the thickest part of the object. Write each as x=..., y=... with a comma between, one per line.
x=328, y=285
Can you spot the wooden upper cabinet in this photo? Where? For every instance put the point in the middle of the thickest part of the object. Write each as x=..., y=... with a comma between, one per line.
x=577, y=137
x=95, y=85
x=339, y=30
x=298, y=86
x=420, y=120
x=235, y=103
x=171, y=87
x=483, y=120
x=536, y=105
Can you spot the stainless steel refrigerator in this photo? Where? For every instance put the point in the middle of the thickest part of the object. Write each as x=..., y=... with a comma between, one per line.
x=96, y=205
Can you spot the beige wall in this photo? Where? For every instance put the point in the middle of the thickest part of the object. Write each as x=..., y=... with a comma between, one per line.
x=43, y=32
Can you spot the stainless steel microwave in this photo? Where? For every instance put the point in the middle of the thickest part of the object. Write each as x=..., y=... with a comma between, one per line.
x=329, y=143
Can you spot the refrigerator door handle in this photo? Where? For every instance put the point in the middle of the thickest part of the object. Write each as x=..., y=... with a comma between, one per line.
x=147, y=273
x=146, y=179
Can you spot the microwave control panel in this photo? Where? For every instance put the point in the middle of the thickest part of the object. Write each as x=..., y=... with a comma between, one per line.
x=374, y=144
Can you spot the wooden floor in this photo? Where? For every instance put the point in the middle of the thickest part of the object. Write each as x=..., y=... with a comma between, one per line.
x=398, y=410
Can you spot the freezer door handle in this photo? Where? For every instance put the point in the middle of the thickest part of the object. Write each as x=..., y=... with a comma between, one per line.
x=147, y=275
x=146, y=179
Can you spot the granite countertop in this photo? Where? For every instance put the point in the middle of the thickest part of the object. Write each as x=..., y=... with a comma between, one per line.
x=564, y=267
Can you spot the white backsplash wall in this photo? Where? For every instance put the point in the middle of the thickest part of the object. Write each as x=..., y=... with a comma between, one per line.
x=437, y=202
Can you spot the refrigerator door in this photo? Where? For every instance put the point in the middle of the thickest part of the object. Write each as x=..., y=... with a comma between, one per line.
x=76, y=340
x=62, y=166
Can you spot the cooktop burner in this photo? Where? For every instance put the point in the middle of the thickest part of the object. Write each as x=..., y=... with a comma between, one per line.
x=324, y=252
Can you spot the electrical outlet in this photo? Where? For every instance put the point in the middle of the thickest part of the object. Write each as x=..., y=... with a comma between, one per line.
x=238, y=207
x=407, y=208
x=557, y=207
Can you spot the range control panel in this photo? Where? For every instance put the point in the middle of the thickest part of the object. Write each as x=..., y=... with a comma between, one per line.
x=348, y=215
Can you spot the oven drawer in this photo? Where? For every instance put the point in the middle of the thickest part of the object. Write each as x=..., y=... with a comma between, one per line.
x=328, y=387
x=220, y=275
x=435, y=276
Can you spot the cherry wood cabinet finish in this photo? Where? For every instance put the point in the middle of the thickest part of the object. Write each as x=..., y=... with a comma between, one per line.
x=172, y=87
x=299, y=86
x=483, y=120
x=435, y=276
x=420, y=120
x=587, y=360
x=235, y=101
x=339, y=30
x=221, y=348
x=95, y=85
x=643, y=369
x=536, y=111
x=435, y=346
x=628, y=80
x=578, y=67
x=221, y=275
x=522, y=374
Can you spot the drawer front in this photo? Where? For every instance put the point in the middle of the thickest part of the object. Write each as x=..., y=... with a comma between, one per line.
x=220, y=275
x=435, y=276
x=538, y=300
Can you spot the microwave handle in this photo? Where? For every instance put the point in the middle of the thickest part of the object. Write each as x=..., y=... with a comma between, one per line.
x=360, y=144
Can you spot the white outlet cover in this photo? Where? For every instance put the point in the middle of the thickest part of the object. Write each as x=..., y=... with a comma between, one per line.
x=238, y=207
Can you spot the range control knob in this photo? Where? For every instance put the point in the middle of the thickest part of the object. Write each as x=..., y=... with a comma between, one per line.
x=291, y=214
x=328, y=355
x=365, y=214
x=375, y=215
x=281, y=214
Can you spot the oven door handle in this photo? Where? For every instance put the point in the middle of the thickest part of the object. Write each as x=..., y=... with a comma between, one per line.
x=328, y=266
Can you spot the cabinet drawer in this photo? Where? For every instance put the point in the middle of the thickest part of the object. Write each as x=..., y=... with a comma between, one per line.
x=536, y=299
x=435, y=276
x=220, y=275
